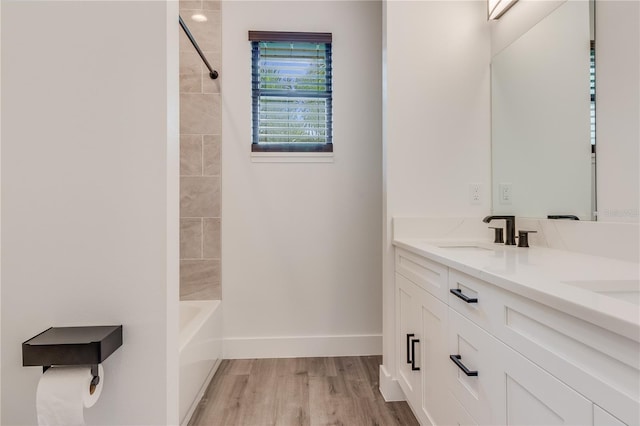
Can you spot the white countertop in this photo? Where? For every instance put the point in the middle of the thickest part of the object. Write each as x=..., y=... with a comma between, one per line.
x=539, y=274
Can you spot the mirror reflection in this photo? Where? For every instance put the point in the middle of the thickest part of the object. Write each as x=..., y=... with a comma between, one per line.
x=543, y=156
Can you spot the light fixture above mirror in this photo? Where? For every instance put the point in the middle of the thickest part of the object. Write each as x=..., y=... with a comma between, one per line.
x=497, y=8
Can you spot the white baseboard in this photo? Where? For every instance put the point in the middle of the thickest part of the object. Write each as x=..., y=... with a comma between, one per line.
x=389, y=387
x=301, y=347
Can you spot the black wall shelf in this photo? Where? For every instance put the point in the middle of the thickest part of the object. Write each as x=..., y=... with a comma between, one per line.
x=68, y=346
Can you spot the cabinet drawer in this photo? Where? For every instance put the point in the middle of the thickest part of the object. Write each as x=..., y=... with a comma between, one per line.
x=428, y=275
x=474, y=299
x=474, y=348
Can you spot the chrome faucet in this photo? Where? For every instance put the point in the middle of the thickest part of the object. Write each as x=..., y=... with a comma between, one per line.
x=510, y=228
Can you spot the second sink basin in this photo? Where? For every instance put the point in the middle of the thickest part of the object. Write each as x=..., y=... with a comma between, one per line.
x=626, y=290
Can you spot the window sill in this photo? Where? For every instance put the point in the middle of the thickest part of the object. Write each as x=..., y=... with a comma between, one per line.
x=292, y=157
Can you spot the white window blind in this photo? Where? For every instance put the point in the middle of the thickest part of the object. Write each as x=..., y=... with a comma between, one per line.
x=291, y=92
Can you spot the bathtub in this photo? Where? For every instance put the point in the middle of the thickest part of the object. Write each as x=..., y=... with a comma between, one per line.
x=200, y=351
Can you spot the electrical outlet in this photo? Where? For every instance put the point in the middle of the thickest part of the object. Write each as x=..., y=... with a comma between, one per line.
x=505, y=193
x=475, y=193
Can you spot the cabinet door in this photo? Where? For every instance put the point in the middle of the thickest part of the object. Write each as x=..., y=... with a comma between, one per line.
x=407, y=330
x=458, y=415
x=474, y=378
x=534, y=397
x=435, y=404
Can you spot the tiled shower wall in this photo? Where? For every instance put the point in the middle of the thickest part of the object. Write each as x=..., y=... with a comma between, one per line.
x=200, y=133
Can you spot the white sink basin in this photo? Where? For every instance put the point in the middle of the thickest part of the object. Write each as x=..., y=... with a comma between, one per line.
x=626, y=290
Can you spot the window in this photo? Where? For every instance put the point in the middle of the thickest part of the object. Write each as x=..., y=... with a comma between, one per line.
x=291, y=92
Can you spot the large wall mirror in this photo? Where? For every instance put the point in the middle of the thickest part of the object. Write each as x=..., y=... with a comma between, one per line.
x=543, y=153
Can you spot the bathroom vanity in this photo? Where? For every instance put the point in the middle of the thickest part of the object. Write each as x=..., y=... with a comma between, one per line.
x=493, y=334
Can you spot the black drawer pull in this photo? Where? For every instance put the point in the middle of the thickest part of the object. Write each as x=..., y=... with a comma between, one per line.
x=413, y=355
x=461, y=366
x=458, y=293
x=409, y=336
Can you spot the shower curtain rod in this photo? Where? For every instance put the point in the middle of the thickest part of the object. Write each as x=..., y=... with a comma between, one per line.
x=212, y=73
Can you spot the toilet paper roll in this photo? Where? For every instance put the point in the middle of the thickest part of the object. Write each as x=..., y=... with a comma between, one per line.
x=63, y=394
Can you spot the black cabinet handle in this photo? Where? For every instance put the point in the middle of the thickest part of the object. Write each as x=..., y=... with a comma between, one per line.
x=461, y=366
x=458, y=293
x=409, y=336
x=413, y=354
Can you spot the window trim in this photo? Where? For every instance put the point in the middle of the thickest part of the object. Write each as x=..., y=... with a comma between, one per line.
x=292, y=147
x=290, y=36
x=301, y=147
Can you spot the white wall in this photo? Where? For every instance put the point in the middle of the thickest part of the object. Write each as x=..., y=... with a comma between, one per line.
x=618, y=110
x=301, y=241
x=436, y=118
x=89, y=196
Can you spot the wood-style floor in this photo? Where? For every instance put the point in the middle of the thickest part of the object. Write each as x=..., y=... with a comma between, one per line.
x=299, y=391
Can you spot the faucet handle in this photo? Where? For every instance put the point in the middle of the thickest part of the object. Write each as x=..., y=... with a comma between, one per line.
x=523, y=238
x=498, y=234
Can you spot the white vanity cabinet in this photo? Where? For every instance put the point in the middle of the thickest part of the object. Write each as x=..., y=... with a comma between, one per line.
x=421, y=324
x=489, y=356
x=506, y=388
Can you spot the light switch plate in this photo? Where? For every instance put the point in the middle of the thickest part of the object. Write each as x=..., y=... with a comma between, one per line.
x=505, y=193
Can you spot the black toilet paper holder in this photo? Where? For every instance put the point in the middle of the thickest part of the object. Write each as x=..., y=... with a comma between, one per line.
x=95, y=377
x=72, y=346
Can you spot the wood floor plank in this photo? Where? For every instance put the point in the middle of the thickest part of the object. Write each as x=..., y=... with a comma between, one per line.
x=240, y=367
x=259, y=406
x=402, y=413
x=224, y=403
x=321, y=367
x=299, y=392
x=372, y=368
x=279, y=366
x=371, y=412
x=224, y=366
x=331, y=401
x=292, y=366
x=354, y=372
x=292, y=400
x=351, y=368
x=265, y=367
